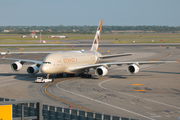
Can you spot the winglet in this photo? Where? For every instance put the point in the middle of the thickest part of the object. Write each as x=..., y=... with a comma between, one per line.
x=178, y=62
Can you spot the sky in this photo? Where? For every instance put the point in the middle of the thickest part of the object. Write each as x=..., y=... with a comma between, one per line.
x=89, y=12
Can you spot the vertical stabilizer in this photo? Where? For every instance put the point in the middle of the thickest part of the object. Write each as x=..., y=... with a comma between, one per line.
x=96, y=38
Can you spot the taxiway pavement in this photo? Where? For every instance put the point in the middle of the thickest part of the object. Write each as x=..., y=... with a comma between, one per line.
x=153, y=93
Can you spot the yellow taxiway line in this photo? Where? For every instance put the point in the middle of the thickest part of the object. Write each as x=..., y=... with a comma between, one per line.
x=140, y=90
x=45, y=89
x=137, y=84
x=73, y=77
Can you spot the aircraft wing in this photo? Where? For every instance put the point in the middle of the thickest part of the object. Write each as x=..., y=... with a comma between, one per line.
x=81, y=67
x=20, y=52
x=24, y=60
x=115, y=55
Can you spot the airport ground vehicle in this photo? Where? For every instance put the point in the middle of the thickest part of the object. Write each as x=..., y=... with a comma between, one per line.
x=42, y=80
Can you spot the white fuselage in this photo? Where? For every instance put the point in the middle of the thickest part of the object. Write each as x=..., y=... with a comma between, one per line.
x=59, y=62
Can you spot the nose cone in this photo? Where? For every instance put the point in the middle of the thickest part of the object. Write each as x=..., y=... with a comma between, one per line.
x=44, y=69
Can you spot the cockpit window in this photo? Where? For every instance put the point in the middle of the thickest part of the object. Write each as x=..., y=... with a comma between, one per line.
x=46, y=62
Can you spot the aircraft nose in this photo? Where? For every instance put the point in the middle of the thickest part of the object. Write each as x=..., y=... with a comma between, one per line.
x=44, y=69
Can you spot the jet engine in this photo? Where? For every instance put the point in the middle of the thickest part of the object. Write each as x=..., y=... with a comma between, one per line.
x=16, y=66
x=101, y=71
x=32, y=70
x=133, y=68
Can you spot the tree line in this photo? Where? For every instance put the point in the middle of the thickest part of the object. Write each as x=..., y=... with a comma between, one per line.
x=86, y=29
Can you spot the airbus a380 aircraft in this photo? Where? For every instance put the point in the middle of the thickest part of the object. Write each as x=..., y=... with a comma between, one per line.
x=72, y=62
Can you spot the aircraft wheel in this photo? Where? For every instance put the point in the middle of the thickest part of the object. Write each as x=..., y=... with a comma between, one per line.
x=88, y=76
x=85, y=75
x=82, y=75
x=59, y=75
x=70, y=75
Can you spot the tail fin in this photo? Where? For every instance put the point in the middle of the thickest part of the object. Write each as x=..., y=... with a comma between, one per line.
x=96, y=38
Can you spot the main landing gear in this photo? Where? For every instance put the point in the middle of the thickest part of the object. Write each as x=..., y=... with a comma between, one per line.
x=59, y=75
x=83, y=75
x=86, y=74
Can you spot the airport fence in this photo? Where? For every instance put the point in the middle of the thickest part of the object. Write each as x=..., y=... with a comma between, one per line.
x=58, y=113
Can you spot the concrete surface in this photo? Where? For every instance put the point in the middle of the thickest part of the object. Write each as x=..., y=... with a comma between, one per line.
x=115, y=94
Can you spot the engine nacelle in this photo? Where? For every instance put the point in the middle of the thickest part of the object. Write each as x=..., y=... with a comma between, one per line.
x=101, y=71
x=133, y=68
x=16, y=66
x=32, y=70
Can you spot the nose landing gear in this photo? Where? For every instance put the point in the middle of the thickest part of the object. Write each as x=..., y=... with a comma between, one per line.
x=47, y=76
x=83, y=74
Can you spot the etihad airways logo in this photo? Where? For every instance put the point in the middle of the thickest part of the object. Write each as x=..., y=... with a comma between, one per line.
x=69, y=60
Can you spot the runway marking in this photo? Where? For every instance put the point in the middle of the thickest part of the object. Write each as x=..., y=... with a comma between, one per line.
x=153, y=115
x=137, y=84
x=163, y=91
x=150, y=113
x=163, y=86
x=103, y=103
x=140, y=90
x=148, y=107
x=135, y=96
x=61, y=99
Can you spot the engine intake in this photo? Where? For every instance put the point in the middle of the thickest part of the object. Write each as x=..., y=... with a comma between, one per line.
x=101, y=71
x=133, y=68
x=32, y=70
x=16, y=66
